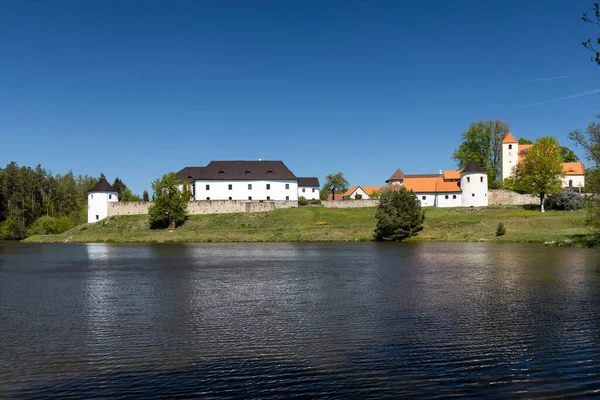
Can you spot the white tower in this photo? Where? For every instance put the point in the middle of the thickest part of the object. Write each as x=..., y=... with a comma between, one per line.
x=510, y=155
x=98, y=199
x=474, y=185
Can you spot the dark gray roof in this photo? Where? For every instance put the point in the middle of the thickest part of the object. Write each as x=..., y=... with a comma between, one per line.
x=102, y=186
x=238, y=170
x=396, y=176
x=473, y=167
x=308, y=182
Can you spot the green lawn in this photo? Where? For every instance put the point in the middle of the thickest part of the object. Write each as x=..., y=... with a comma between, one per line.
x=357, y=224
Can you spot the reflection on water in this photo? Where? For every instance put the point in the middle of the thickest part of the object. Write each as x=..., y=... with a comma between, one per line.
x=311, y=320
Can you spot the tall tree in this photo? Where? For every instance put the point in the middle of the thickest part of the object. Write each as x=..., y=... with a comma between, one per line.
x=399, y=215
x=541, y=172
x=170, y=203
x=589, y=141
x=483, y=141
x=567, y=155
x=145, y=196
x=334, y=182
x=589, y=44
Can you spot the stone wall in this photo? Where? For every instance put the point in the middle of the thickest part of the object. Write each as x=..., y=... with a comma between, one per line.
x=204, y=207
x=351, y=203
x=503, y=196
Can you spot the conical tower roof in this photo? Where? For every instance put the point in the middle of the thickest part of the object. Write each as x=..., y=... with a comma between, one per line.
x=102, y=186
x=473, y=167
x=396, y=176
x=509, y=139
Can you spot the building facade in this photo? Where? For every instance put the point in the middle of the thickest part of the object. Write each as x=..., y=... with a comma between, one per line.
x=98, y=199
x=309, y=188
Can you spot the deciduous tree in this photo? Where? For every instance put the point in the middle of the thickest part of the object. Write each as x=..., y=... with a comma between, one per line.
x=333, y=183
x=541, y=172
x=483, y=141
x=170, y=203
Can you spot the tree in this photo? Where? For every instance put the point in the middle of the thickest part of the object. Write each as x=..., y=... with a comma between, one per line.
x=588, y=43
x=567, y=155
x=333, y=183
x=145, y=196
x=541, y=172
x=399, y=215
x=483, y=141
x=589, y=141
x=124, y=193
x=170, y=203
x=525, y=141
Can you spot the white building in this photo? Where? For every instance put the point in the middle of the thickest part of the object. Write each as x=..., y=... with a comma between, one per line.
x=309, y=188
x=241, y=180
x=98, y=199
x=365, y=192
x=466, y=188
x=514, y=154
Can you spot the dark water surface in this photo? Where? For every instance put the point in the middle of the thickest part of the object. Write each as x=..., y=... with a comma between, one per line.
x=307, y=320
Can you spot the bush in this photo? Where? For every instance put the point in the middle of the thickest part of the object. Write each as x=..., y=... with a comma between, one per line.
x=315, y=201
x=399, y=215
x=564, y=200
x=47, y=225
x=501, y=230
x=302, y=201
x=358, y=196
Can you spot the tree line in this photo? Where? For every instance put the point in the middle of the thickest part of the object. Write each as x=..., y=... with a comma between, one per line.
x=36, y=201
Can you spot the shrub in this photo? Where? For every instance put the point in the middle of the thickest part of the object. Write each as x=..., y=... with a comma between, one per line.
x=564, y=200
x=302, y=201
x=315, y=201
x=399, y=215
x=501, y=230
x=358, y=196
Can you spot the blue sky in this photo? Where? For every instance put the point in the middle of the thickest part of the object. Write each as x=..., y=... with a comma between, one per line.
x=138, y=88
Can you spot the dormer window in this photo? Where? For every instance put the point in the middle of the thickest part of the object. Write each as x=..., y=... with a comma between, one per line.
x=248, y=171
x=221, y=171
x=269, y=172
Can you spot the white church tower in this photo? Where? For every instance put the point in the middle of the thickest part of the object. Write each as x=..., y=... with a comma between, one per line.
x=474, y=185
x=510, y=155
x=98, y=199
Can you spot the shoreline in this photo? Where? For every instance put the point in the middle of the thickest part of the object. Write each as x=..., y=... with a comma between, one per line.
x=315, y=224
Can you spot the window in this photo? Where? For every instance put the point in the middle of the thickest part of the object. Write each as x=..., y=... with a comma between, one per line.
x=287, y=197
x=207, y=187
x=249, y=186
x=208, y=198
x=110, y=196
x=454, y=196
x=268, y=186
x=229, y=198
x=313, y=190
x=424, y=197
x=446, y=197
x=303, y=190
x=268, y=197
x=510, y=146
x=481, y=179
x=287, y=185
x=472, y=194
x=92, y=196
x=468, y=179
x=249, y=197
x=570, y=182
x=230, y=188
x=97, y=217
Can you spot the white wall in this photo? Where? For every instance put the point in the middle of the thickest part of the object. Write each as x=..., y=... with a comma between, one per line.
x=98, y=205
x=510, y=158
x=219, y=190
x=426, y=199
x=453, y=200
x=359, y=190
x=578, y=181
x=310, y=192
x=474, y=189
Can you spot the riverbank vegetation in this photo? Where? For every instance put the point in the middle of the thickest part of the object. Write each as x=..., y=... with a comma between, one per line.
x=522, y=224
x=36, y=201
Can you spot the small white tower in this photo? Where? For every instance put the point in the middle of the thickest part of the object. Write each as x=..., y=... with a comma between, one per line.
x=397, y=178
x=474, y=185
x=510, y=155
x=98, y=199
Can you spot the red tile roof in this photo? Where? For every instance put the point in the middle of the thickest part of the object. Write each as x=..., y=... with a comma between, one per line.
x=573, y=168
x=509, y=139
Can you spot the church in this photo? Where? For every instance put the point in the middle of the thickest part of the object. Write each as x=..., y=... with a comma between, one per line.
x=514, y=154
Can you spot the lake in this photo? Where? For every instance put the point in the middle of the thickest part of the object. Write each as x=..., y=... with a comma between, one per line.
x=309, y=320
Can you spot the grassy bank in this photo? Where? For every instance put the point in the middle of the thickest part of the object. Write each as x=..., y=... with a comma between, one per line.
x=300, y=224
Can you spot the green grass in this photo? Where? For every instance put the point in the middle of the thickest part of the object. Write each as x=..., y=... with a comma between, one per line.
x=357, y=224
